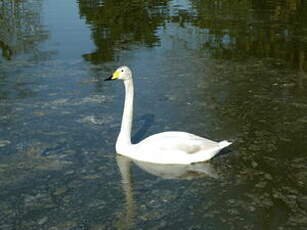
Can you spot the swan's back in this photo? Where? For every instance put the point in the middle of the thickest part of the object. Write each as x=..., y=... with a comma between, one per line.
x=182, y=141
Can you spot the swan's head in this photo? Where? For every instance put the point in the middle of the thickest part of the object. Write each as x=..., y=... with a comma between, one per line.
x=122, y=73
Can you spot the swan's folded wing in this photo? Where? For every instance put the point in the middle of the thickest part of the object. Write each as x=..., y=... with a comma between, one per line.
x=179, y=141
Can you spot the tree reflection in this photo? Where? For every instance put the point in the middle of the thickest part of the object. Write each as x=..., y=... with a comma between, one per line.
x=253, y=28
x=236, y=29
x=21, y=33
x=117, y=24
x=21, y=30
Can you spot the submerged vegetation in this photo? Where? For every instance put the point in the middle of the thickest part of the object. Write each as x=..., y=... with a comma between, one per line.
x=221, y=69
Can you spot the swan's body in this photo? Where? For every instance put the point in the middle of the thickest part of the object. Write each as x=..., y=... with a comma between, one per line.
x=162, y=148
x=173, y=148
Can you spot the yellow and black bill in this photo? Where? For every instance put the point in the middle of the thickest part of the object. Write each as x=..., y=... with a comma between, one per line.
x=114, y=76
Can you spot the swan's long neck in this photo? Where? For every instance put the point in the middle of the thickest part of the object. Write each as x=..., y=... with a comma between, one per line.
x=124, y=137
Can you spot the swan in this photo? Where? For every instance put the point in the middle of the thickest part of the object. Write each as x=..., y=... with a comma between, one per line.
x=172, y=147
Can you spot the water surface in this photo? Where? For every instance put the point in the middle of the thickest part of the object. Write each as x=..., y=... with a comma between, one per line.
x=219, y=69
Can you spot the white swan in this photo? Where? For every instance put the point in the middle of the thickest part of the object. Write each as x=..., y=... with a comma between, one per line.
x=162, y=148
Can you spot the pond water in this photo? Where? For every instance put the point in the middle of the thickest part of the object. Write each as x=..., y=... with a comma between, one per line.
x=230, y=70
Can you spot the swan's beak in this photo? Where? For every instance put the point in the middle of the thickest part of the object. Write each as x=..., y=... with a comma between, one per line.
x=114, y=76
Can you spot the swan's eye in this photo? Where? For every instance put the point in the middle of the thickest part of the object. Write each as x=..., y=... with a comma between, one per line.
x=122, y=70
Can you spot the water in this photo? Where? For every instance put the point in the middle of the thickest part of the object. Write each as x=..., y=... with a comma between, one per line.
x=223, y=70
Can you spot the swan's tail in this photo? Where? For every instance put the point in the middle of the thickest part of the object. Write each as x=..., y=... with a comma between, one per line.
x=209, y=153
x=224, y=144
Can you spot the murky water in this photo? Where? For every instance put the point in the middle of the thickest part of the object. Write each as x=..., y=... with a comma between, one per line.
x=221, y=69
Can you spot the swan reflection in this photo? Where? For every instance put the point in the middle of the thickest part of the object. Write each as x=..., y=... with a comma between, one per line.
x=188, y=172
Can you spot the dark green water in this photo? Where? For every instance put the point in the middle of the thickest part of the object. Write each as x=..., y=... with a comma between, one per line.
x=221, y=69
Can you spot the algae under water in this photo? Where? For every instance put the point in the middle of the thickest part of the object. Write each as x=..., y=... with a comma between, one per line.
x=223, y=70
